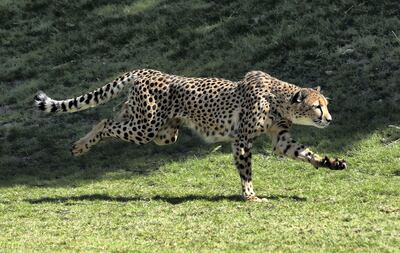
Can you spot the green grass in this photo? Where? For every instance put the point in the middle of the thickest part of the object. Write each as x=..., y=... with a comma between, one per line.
x=184, y=197
x=192, y=204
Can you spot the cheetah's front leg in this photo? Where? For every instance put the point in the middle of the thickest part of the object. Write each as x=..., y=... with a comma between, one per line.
x=283, y=144
x=242, y=156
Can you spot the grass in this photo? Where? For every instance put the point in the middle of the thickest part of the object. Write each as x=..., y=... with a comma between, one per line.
x=192, y=204
x=184, y=197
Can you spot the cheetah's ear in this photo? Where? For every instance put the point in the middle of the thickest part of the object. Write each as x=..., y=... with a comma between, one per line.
x=298, y=97
x=318, y=88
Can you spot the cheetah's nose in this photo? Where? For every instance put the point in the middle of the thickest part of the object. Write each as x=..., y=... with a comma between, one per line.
x=328, y=119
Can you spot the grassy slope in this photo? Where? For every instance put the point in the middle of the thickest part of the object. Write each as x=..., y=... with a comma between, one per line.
x=183, y=197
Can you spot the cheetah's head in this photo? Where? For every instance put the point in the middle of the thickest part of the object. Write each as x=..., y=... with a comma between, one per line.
x=310, y=107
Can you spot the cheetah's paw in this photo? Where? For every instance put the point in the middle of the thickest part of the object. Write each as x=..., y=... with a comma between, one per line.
x=256, y=199
x=79, y=148
x=334, y=164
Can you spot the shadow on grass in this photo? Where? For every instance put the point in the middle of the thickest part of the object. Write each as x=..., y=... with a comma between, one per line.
x=169, y=199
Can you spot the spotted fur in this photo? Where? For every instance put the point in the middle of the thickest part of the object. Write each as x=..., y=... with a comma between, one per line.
x=218, y=109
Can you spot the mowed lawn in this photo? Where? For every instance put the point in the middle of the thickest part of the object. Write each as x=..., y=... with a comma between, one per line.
x=192, y=204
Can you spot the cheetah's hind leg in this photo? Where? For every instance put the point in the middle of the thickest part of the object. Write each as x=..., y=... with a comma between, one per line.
x=83, y=145
x=125, y=113
x=168, y=134
x=93, y=137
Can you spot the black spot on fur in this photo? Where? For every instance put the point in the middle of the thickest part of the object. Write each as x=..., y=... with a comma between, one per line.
x=89, y=97
x=53, y=107
x=287, y=148
x=41, y=106
x=282, y=132
x=96, y=99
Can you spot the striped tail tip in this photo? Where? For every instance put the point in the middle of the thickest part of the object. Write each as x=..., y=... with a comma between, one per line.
x=44, y=103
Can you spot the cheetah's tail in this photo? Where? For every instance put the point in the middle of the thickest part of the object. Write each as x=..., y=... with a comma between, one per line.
x=83, y=102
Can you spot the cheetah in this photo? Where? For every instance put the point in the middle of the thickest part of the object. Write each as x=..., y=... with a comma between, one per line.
x=218, y=109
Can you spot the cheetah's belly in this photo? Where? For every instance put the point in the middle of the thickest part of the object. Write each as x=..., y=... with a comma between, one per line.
x=210, y=136
x=217, y=130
